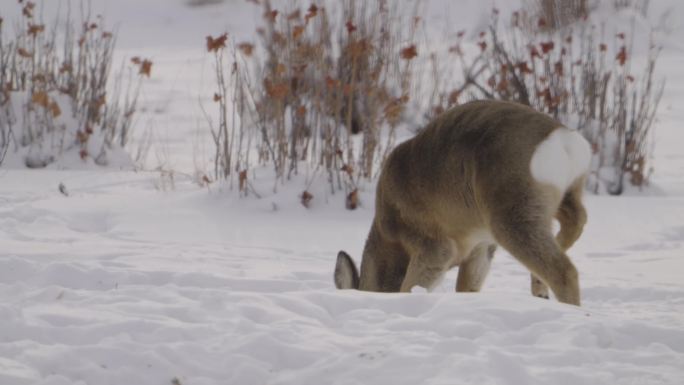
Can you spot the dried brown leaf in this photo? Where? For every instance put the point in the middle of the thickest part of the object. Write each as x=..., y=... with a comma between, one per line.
x=27, y=11
x=409, y=52
x=246, y=48
x=271, y=16
x=453, y=97
x=296, y=15
x=214, y=44
x=146, y=68
x=35, y=29
x=40, y=98
x=297, y=31
x=349, y=170
x=311, y=12
x=306, y=199
x=277, y=90
x=352, y=202
x=24, y=53
x=242, y=179
x=350, y=26
x=622, y=56
x=547, y=46
x=55, y=110
x=82, y=137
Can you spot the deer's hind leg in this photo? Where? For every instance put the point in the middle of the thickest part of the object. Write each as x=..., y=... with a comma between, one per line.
x=524, y=229
x=572, y=217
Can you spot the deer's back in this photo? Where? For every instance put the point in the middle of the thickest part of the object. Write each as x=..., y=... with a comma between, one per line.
x=442, y=174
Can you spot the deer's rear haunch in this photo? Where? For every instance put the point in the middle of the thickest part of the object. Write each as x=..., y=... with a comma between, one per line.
x=483, y=174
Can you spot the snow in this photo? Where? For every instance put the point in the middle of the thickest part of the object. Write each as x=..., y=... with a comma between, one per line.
x=123, y=283
x=561, y=159
x=134, y=278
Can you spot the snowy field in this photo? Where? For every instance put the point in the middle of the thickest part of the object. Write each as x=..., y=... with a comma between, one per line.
x=129, y=280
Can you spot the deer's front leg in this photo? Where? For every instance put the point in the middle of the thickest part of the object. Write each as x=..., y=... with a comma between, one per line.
x=473, y=271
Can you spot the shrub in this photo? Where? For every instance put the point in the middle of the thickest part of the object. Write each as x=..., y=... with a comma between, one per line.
x=54, y=95
x=315, y=78
x=557, y=14
x=575, y=76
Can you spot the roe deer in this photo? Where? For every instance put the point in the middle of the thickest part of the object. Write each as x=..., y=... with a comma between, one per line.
x=483, y=174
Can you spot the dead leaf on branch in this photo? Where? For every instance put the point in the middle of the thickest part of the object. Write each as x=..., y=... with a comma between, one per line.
x=242, y=179
x=352, y=202
x=409, y=52
x=24, y=53
x=306, y=199
x=547, y=47
x=271, y=16
x=35, y=29
x=41, y=98
x=524, y=68
x=82, y=136
x=246, y=48
x=216, y=44
x=331, y=82
x=453, y=97
x=276, y=90
x=311, y=13
x=622, y=56
x=205, y=181
x=66, y=68
x=27, y=11
x=350, y=26
x=146, y=68
x=349, y=170
x=295, y=15
x=55, y=110
x=534, y=53
x=297, y=32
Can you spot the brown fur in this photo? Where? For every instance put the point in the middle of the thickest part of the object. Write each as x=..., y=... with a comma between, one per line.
x=446, y=197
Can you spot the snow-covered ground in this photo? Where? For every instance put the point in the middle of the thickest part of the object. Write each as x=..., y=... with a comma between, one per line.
x=132, y=279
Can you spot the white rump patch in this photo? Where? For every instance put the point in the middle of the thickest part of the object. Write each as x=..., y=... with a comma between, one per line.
x=562, y=158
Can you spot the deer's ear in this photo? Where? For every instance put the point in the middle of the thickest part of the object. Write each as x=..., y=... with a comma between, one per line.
x=346, y=274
